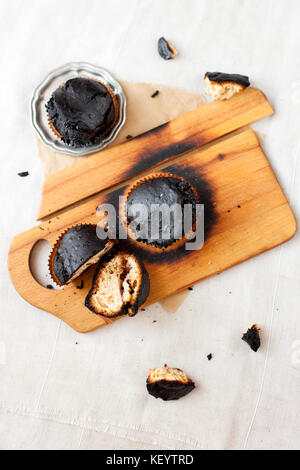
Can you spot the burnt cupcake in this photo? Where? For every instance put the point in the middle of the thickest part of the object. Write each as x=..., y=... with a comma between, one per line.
x=222, y=86
x=154, y=193
x=168, y=383
x=75, y=251
x=120, y=286
x=82, y=112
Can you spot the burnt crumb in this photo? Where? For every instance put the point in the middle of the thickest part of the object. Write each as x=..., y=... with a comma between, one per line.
x=154, y=321
x=81, y=285
x=143, y=309
x=49, y=286
x=251, y=337
x=229, y=211
x=165, y=49
x=209, y=357
x=155, y=94
x=239, y=206
x=23, y=174
x=221, y=156
x=128, y=137
x=76, y=342
x=41, y=228
x=190, y=288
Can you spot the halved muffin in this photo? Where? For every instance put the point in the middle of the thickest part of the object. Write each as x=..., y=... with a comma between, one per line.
x=75, y=251
x=121, y=286
x=222, y=86
x=82, y=111
x=168, y=383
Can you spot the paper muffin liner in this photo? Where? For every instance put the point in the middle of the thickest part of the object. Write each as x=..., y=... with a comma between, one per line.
x=123, y=213
x=115, y=102
x=55, y=248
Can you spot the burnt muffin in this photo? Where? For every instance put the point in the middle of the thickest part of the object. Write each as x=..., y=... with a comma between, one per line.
x=75, y=251
x=82, y=112
x=120, y=286
x=251, y=337
x=153, y=192
x=168, y=383
x=222, y=86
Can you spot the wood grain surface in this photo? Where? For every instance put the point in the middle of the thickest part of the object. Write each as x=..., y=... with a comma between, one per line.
x=246, y=214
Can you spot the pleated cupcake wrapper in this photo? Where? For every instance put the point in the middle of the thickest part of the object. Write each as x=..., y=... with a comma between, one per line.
x=54, y=250
x=115, y=101
x=123, y=212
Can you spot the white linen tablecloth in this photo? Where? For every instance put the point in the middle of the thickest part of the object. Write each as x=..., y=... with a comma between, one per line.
x=57, y=394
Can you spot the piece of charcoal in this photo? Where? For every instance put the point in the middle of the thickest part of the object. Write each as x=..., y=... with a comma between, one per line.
x=155, y=94
x=209, y=357
x=251, y=337
x=23, y=174
x=165, y=49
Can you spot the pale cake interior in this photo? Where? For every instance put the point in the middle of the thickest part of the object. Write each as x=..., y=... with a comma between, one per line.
x=93, y=260
x=169, y=374
x=117, y=284
x=222, y=91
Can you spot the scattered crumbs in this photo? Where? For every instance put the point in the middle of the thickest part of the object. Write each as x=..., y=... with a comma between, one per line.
x=128, y=137
x=209, y=357
x=190, y=288
x=23, y=174
x=155, y=94
x=49, y=286
x=81, y=285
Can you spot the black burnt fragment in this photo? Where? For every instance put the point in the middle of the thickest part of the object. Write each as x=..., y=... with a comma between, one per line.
x=165, y=49
x=251, y=337
x=23, y=174
x=82, y=111
x=173, y=387
x=219, y=77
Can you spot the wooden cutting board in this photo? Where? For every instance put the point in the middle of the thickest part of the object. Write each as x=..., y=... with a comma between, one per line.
x=246, y=214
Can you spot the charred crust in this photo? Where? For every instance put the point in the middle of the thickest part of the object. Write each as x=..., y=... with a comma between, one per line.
x=82, y=111
x=251, y=337
x=169, y=389
x=159, y=188
x=127, y=309
x=74, y=248
x=224, y=78
x=165, y=49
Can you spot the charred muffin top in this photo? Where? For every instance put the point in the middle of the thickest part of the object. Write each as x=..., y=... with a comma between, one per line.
x=168, y=383
x=224, y=85
x=75, y=251
x=82, y=111
x=120, y=286
x=251, y=337
x=153, y=193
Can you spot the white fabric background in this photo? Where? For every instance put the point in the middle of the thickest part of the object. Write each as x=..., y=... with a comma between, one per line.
x=56, y=394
